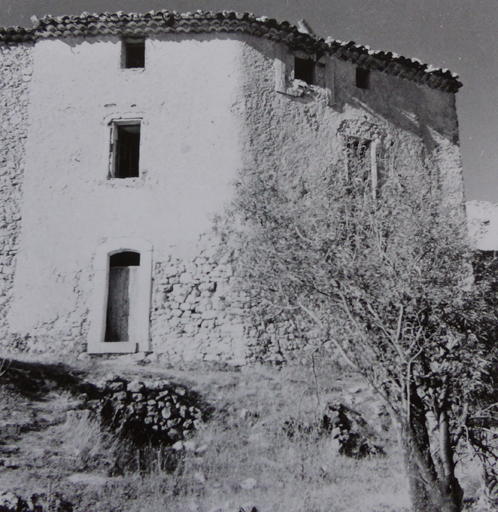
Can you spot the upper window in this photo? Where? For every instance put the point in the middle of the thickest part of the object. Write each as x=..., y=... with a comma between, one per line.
x=309, y=70
x=133, y=53
x=125, y=149
x=362, y=78
x=365, y=168
x=304, y=69
x=296, y=71
x=359, y=162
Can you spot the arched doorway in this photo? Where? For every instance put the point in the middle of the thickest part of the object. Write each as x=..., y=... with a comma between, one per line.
x=120, y=308
x=122, y=296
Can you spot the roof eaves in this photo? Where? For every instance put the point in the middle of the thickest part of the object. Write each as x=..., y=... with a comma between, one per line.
x=157, y=22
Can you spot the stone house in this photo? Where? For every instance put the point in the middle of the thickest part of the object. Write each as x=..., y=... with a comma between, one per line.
x=122, y=136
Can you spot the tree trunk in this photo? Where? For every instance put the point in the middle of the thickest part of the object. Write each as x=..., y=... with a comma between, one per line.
x=432, y=496
x=429, y=492
x=420, y=495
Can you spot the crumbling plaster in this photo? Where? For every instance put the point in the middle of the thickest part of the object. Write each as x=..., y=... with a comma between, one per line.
x=189, y=155
x=16, y=65
x=209, y=114
x=294, y=138
x=291, y=135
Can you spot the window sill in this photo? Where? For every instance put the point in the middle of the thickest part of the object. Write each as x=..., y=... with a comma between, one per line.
x=301, y=89
x=125, y=182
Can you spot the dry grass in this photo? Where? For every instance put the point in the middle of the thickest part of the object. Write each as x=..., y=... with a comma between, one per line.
x=244, y=439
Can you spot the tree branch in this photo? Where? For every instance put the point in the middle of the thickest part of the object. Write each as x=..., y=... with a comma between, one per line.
x=335, y=342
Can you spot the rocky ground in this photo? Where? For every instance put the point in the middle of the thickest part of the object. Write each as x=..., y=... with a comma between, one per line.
x=265, y=440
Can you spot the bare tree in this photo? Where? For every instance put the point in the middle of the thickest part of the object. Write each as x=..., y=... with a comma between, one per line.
x=385, y=276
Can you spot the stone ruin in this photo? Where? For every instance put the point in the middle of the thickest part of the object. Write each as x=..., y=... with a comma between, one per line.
x=149, y=412
x=353, y=434
x=275, y=101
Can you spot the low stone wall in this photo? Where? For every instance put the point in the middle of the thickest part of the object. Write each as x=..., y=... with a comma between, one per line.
x=149, y=412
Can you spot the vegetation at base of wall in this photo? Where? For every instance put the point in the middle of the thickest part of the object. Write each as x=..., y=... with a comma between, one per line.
x=57, y=450
x=383, y=277
x=243, y=458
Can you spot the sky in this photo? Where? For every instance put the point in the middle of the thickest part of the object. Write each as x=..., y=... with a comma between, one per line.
x=461, y=35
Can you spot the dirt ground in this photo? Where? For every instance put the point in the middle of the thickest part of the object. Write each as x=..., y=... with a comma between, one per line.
x=260, y=448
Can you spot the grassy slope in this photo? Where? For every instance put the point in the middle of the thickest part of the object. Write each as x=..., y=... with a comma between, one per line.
x=244, y=439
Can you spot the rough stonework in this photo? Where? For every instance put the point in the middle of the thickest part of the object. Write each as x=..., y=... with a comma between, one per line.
x=123, y=137
x=154, y=412
x=196, y=314
x=16, y=67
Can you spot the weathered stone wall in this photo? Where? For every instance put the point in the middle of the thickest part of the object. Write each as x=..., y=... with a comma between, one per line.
x=188, y=157
x=16, y=67
x=293, y=138
x=288, y=137
x=215, y=118
x=418, y=123
x=197, y=312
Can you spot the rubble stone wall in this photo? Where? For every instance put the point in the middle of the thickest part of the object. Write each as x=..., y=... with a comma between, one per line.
x=149, y=411
x=196, y=311
x=216, y=119
x=296, y=137
x=16, y=68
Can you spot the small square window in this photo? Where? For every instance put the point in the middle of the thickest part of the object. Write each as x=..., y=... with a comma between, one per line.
x=294, y=68
x=134, y=53
x=362, y=78
x=125, y=150
x=304, y=69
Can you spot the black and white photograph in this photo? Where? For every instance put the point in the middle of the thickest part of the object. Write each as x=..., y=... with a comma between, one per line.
x=248, y=256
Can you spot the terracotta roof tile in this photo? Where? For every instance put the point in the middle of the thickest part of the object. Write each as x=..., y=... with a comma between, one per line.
x=167, y=22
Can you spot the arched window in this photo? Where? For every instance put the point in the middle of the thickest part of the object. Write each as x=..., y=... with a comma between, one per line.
x=119, y=319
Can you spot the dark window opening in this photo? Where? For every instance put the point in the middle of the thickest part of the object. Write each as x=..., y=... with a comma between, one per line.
x=359, y=163
x=121, y=278
x=304, y=69
x=362, y=78
x=134, y=53
x=127, y=151
x=358, y=151
x=125, y=259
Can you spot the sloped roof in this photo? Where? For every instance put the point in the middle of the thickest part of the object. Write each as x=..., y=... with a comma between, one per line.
x=201, y=22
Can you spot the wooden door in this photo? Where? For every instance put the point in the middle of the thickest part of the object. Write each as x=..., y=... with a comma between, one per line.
x=118, y=304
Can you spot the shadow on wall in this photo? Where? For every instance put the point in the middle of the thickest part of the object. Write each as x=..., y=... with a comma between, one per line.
x=416, y=109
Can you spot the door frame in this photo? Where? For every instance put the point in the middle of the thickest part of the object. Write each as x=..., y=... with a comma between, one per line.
x=98, y=309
